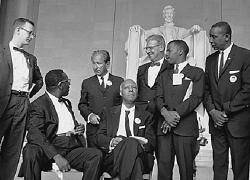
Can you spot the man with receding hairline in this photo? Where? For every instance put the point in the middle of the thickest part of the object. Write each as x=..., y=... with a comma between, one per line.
x=227, y=101
x=126, y=137
x=20, y=79
x=98, y=92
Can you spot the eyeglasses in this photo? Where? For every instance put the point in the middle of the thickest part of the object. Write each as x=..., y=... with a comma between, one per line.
x=31, y=33
x=63, y=81
x=151, y=47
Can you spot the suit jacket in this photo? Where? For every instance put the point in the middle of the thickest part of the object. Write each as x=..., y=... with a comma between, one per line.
x=230, y=92
x=171, y=97
x=94, y=99
x=42, y=124
x=6, y=76
x=110, y=123
x=146, y=94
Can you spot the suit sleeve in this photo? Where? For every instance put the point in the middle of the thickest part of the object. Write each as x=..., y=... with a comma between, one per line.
x=208, y=101
x=242, y=98
x=102, y=140
x=159, y=95
x=83, y=105
x=196, y=96
x=37, y=79
x=36, y=126
x=150, y=134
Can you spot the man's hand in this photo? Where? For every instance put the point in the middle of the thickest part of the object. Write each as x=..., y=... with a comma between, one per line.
x=165, y=127
x=94, y=119
x=172, y=117
x=219, y=117
x=80, y=129
x=62, y=163
x=115, y=141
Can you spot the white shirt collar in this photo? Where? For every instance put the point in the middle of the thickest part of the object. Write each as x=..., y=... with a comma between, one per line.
x=181, y=66
x=124, y=108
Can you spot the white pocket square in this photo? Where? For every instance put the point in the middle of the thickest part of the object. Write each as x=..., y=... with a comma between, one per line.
x=233, y=72
x=141, y=127
x=186, y=78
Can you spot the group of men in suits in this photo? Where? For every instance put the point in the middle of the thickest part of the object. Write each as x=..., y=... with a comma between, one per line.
x=125, y=121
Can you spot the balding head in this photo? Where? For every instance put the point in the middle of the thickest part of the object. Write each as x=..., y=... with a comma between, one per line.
x=128, y=91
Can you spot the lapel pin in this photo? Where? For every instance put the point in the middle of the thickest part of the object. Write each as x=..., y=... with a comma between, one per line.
x=137, y=120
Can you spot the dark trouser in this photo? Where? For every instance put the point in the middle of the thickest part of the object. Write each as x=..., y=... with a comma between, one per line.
x=87, y=160
x=128, y=160
x=12, y=132
x=183, y=147
x=239, y=148
x=90, y=141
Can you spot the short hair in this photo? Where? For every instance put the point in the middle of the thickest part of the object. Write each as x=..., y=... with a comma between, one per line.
x=182, y=45
x=21, y=22
x=156, y=37
x=53, y=77
x=104, y=53
x=225, y=26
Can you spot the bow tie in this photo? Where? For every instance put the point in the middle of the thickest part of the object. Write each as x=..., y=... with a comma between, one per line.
x=60, y=99
x=155, y=64
x=20, y=50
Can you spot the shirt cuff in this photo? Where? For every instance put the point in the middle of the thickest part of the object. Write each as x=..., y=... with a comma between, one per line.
x=89, y=117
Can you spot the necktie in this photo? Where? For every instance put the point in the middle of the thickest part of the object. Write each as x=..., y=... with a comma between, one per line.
x=176, y=70
x=102, y=84
x=221, y=62
x=24, y=53
x=155, y=64
x=128, y=132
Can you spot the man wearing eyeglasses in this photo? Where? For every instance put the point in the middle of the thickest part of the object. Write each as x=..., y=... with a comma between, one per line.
x=20, y=79
x=55, y=136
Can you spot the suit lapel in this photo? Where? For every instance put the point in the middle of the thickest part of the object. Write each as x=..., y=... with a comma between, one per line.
x=111, y=78
x=116, y=120
x=97, y=83
x=136, y=126
x=7, y=55
x=51, y=107
x=229, y=59
x=146, y=74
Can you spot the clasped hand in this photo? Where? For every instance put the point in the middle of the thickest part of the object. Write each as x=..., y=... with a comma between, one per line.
x=172, y=118
x=115, y=141
x=94, y=118
x=219, y=117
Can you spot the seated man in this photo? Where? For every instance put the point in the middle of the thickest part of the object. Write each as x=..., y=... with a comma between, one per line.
x=127, y=137
x=55, y=136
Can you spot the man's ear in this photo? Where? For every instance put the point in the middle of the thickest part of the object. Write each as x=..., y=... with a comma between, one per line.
x=227, y=37
x=108, y=64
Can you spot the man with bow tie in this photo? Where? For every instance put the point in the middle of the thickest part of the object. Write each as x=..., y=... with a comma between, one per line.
x=55, y=136
x=98, y=92
x=126, y=136
x=20, y=79
x=180, y=90
x=148, y=74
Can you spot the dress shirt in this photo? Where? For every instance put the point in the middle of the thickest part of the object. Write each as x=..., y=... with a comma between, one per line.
x=226, y=53
x=122, y=130
x=66, y=122
x=20, y=70
x=105, y=78
x=181, y=66
x=153, y=72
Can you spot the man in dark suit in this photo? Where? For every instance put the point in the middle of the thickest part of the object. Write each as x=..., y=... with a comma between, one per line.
x=127, y=137
x=55, y=136
x=20, y=79
x=179, y=92
x=227, y=102
x=98, y=92
x=148, y=74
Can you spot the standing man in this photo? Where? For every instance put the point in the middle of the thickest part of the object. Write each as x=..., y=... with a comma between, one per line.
x=20, y=79
x=126, y=135
x=148, y=74
x=227, y=102
x=98, y=92
x=179, y=92
x=55, y=136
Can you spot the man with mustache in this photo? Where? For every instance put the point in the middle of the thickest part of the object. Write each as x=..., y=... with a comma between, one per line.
x=98, y=92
